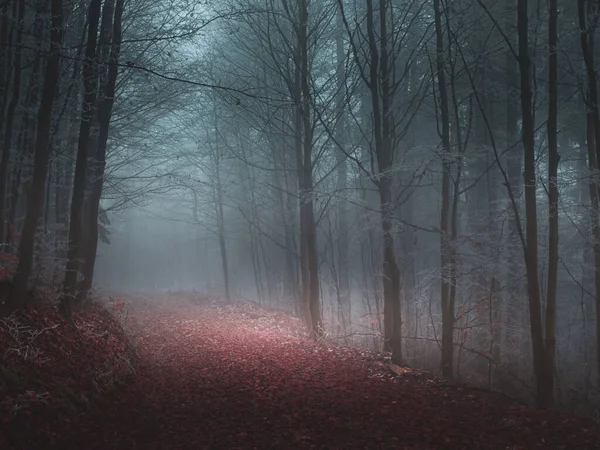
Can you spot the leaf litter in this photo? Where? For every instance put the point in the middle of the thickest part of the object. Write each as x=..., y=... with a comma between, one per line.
x=211, y=376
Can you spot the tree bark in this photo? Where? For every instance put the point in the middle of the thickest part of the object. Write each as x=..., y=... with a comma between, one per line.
x=379, y=87
x=104, y=116
x=553, y=157
x=221, y=230
x=588, y=22
x=343, y=282
x=514, y=170
x=90, y=81
x=6, y=65
x=10, y=117
x=35, y=198
x=529, y=175
x=447, y=363
x=303, y=130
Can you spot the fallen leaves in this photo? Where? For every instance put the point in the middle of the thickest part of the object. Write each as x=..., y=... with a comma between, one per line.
x=50, y=366
x=212, y=376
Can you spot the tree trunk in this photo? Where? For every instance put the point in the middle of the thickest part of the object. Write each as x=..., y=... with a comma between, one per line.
x=219, y=213
x=290, y=273
x=35, y=198
x=445, y=247
x=6, y=65
x=513, y=272
x=104, y=115
x=26, y=145
x=531, y=247
x=304, y=271
x=588, y=21
x=343, y=282
x=90, y=80
x=222, y=239
x=379, y=87
x=10, y=117
x=303, y=144
x=550, y=338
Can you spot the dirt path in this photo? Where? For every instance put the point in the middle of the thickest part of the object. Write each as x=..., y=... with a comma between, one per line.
x=225, y=378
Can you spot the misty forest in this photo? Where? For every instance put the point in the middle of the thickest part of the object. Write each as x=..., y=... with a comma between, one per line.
x=299, y=224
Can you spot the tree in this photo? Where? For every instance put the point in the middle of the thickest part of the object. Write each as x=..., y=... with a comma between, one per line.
x=105, y=106
x=377, y=73
x=35, y=198
x=553, y=230
x=10, y=115
x=445, y=230
x=588, y=22
x=88, y=108
x=543, y=372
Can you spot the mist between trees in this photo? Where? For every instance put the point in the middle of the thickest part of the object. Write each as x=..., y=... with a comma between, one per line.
x=419, y=177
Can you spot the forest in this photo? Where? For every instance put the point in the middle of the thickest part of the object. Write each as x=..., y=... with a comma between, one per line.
x=417, y=180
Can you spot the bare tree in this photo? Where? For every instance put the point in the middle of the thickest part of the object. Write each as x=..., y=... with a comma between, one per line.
x=90, y=79
x=105, y=107
x=445, y=230
x=35, y=198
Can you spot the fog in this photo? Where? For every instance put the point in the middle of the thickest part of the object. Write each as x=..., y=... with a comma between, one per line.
x=395, y=177
x=225, y=217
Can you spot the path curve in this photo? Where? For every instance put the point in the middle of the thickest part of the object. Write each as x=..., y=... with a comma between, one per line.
x=230, y=378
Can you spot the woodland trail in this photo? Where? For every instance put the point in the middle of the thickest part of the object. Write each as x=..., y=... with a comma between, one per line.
x=234, y=377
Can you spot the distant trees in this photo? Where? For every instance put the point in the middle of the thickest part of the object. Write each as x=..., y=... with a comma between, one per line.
x=63, y=66
x=381, y=80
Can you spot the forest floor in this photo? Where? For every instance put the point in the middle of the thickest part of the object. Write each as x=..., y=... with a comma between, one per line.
x=238, y=377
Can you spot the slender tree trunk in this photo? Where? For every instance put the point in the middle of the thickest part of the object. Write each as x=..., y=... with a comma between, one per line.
x=408, y=236
x=290, y=274
x=379, y=87
x=588, y=22
x=222, y=240
x=447, y=303
x=16, y=185
x=90, y=80
x=514, y=173
x=386, y=160
x=531, y=247
x=303, y=146
x=25, y=145
x=219, y=213
x=343, y=285
x=6, y=32
x=550, y=338
x=104, y=116
x=10, y=117
x=35, y=198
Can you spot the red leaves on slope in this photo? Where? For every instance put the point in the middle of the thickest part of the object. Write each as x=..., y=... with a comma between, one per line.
x=49, y=365
x=238, y=377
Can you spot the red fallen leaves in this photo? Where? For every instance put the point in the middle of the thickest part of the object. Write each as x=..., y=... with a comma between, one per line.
x=49, y=365
x=237, y=377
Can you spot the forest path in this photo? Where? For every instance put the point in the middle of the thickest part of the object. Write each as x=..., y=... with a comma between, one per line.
x=235, y=377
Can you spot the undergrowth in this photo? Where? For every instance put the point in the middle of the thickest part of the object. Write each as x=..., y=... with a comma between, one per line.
x=51, y=366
